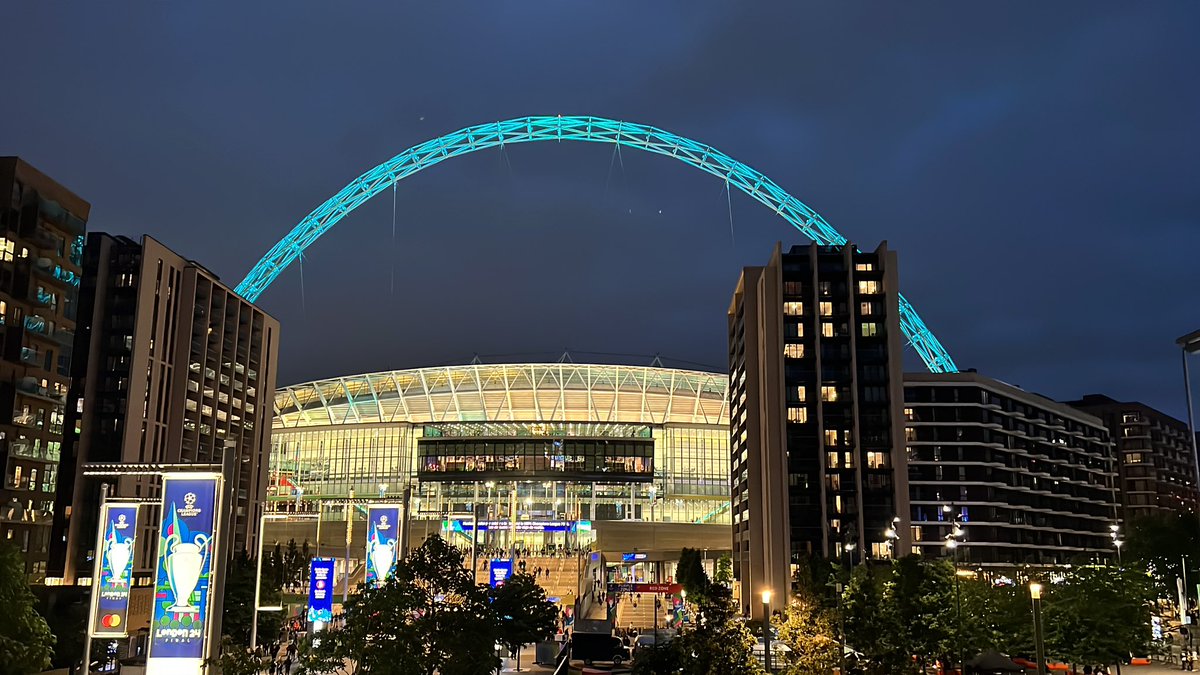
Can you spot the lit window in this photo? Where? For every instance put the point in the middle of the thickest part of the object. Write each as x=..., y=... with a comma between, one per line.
x=868, y=287
x=831, y=437
x=1134, y=458
x=864, y=267
x=908, y=414
x=827, y=329
x=798, y=393
x=826, y=309
x=870, y=329
x=793, y=308
x=833, y=460
x=866, y=308
x=798, y=414
x=6, y=250
x=877, y=460
x=837, y=503
x=793, y=329
x=793, y=351
x=829, y=393
x=826, y=288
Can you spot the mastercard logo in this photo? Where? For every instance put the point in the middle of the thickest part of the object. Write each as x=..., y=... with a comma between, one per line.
x=110, y=620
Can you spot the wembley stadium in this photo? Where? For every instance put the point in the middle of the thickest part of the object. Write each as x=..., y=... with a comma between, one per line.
x=536, y=455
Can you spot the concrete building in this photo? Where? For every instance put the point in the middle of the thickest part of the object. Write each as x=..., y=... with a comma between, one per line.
x=816, y=433
x=1156, y=463
x=178, y=366
x=41, y=243
x=1028, y=481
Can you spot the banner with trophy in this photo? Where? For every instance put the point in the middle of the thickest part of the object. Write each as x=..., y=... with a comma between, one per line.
x=178, y=622
x=383, y=533
x=320, y=587
x=110, y=606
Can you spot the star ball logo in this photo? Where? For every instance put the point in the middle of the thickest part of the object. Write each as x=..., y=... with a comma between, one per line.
x=121, y=524
x=189, y=506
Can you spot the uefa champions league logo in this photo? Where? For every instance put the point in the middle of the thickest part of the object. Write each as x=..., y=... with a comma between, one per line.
x=189, y=506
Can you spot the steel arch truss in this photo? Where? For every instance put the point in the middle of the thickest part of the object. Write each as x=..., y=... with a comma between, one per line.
x=586, y=129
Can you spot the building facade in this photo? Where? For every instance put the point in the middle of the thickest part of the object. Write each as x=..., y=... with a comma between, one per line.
x=1155, y=457
x=41, y=243
x=816, y=433
x=178, y=367
x=544, y=450
x=1024, y=480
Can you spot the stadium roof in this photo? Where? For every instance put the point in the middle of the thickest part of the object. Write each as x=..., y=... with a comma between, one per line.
x=531, y=392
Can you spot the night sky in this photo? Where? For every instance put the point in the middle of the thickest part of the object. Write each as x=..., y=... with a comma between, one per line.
x=1034, y=164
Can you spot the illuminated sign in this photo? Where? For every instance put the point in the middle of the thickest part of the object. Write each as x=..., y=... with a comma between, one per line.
x=505, y=525
x=320, y=590
x=500, y=571
x=645, y=588
x=632, y=557
x=186, y=544
x=110, y=595
x=383, y=536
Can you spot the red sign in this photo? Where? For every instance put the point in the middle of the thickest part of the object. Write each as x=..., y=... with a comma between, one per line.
x=672, y=589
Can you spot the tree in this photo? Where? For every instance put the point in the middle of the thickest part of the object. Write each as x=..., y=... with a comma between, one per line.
x=810, y=630
x=25, y=639
x=1098, y=614
x=236, y=659
x=430, y=616
x=869, y=624
x=717, y=643
x=524, y=613
x=921, y=597
x=1160, y=542
x=239, y=599
x=724, y=571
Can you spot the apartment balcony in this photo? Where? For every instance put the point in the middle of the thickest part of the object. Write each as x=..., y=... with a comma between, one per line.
x=47, y=269
x=26, y=450
x=32, y=357
x=30, y=386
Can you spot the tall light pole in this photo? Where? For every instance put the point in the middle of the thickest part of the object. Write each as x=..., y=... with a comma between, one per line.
x=766, y=600
x=1035, y=594
x=262, y=535
x=952, y=539
x=1190, y=344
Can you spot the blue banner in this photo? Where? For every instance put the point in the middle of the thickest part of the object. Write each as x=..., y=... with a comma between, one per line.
x=186, y=544
x=320, y=590
x=383, y=534
x=501, y=570
x=110, y=606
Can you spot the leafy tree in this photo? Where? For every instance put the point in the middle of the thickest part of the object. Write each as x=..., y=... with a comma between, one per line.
x=239, y=599
x=524, y=613
x=869, y=626
x=236, y=659
x=810, y=630
x=921, y=597
x=429, y=617
x=717, y=643
x=1098, y=614
x=724, y=571
x=1160, y=542
x=25, y=639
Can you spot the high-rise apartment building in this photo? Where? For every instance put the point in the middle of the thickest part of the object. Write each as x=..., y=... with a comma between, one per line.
x=1154, y=452
x=1027, y=480
x=41, y=243
x=178, y=367
x=816, y=432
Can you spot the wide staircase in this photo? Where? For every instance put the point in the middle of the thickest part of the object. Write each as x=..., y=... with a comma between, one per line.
x=558, y=577
x=640, y=617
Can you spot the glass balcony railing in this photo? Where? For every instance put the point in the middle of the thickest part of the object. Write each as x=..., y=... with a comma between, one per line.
x=26, y=450
x=35, y=324
x=31, y=356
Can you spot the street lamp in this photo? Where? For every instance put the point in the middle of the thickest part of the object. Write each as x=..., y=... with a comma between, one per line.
x=956, y=533
x=1035, y=594
x=766, y=600
x=383, y=488
x=1190, y=344
x=1117, y=543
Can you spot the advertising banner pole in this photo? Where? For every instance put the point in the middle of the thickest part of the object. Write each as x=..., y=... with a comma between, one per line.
x=349, y=533
x=224, y=526
x=87, y=640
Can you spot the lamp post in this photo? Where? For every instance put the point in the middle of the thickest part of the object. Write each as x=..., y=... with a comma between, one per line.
x=262, y=525
x=1190, y=344
x=952, y=539
x=766, y=600
x=1035, y=594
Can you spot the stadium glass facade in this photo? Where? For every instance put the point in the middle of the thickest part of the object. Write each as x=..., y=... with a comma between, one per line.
x=541, y=449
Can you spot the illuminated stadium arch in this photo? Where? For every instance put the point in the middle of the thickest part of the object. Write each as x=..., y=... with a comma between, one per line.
x=573, y=128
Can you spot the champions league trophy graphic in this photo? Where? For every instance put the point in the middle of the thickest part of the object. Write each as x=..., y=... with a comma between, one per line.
x=184, y=560
x=117, y=552
x=383, y=550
